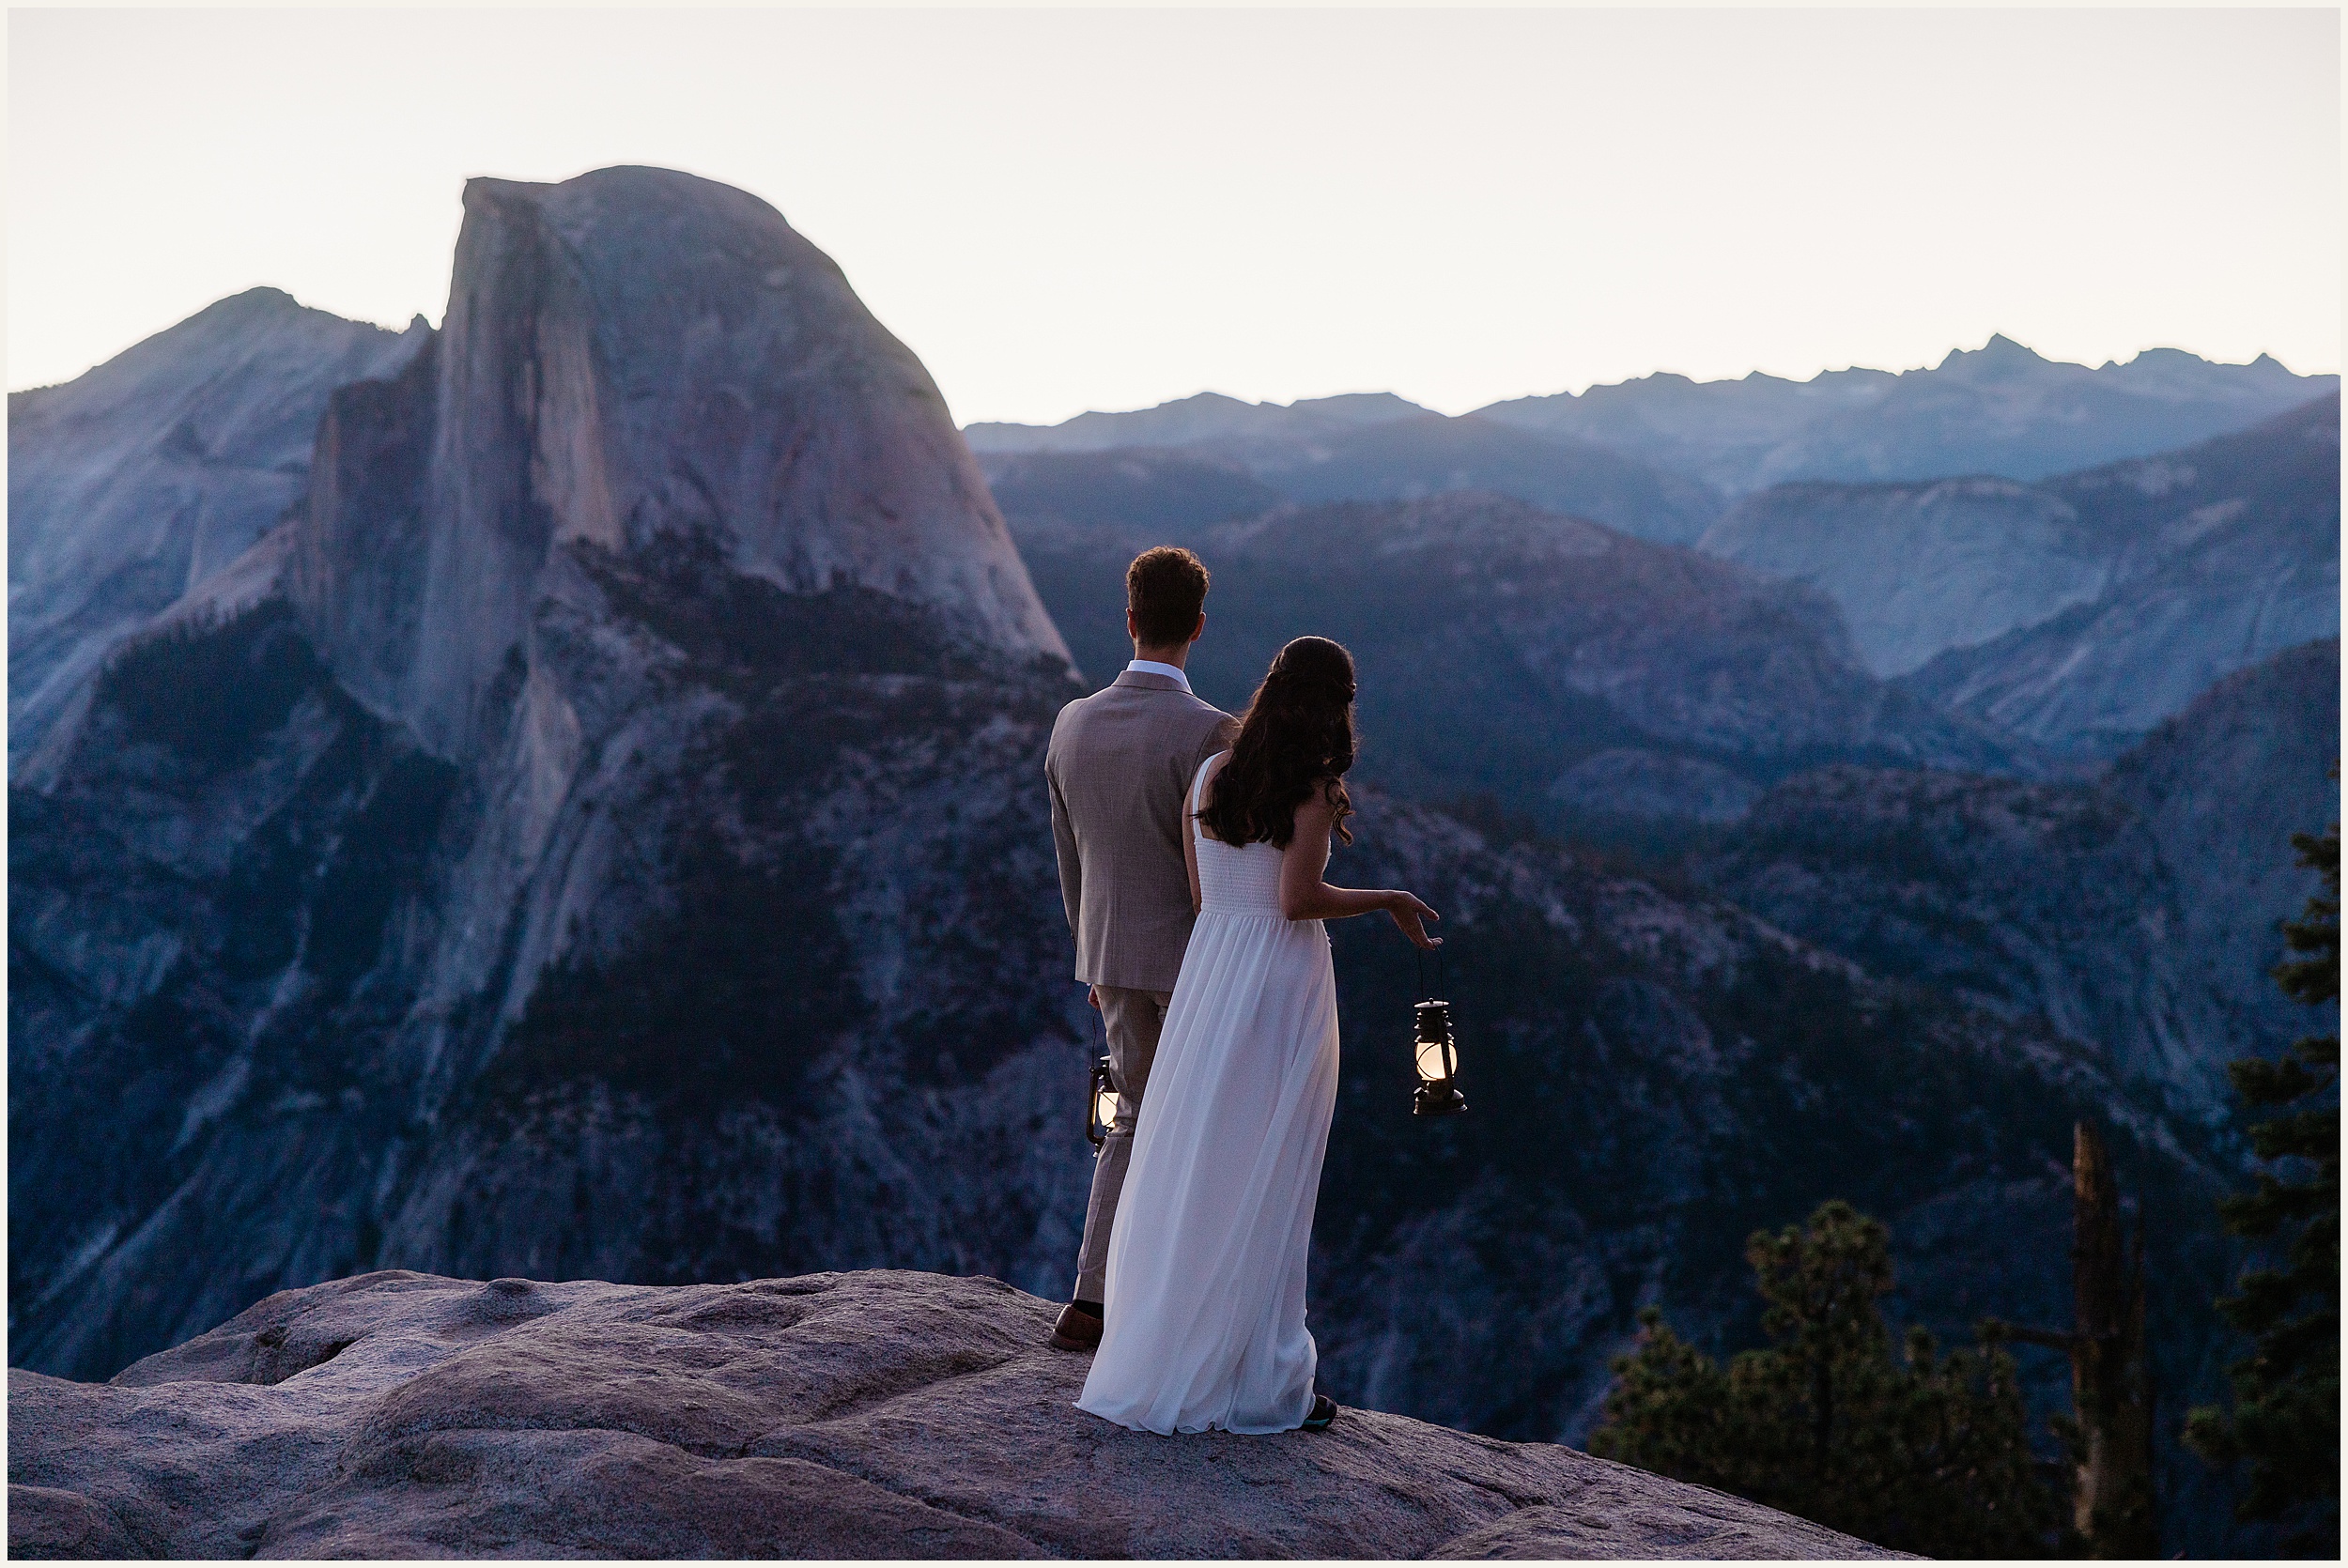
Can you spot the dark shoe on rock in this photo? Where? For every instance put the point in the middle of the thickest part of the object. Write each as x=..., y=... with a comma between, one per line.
x=1076, y=1331
x=1324, y=1411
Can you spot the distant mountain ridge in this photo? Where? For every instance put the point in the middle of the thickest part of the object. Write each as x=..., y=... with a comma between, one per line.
x=1202, y=418
x=1383, y=456
x=1999, y=410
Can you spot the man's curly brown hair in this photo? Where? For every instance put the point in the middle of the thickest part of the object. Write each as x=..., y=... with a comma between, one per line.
x=1165, y=588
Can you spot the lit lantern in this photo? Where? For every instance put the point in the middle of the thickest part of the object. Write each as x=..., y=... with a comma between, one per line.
x=1103, y=1102
x=1436, y=1054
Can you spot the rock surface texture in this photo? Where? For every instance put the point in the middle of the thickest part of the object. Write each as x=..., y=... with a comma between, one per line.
x=135, y=482
x=832, y=1415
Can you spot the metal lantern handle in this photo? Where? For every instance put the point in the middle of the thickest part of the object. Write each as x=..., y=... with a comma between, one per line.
x=1418, y=960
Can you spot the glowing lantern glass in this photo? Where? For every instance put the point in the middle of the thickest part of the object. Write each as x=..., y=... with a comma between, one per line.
x=1436, y=1054
x=1101, y=1101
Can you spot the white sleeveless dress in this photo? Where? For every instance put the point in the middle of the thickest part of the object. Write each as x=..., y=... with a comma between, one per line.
x=1205, y=1301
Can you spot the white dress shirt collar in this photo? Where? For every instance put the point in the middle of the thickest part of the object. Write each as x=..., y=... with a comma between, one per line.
x=1151, y=666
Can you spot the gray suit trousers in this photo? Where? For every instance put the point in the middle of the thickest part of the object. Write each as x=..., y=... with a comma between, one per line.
x=1132, y=1018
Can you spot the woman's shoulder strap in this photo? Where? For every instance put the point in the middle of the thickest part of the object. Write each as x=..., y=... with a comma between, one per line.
x=1198, y=781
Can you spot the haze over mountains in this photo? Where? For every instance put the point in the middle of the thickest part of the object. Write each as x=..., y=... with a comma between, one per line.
x=591, y=828
x=2000, y=410
x=2067, y=613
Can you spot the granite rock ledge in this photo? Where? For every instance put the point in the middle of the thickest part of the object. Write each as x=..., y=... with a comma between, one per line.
x=872, y=1414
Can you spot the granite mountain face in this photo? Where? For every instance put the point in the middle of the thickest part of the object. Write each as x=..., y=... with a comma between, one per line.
x=134, y=483
x=647, y=652
x=2220, y=556
x=1918, y=569
x=634, y=362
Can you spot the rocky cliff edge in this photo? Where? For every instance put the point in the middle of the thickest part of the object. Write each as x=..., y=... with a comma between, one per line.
x=877, y=1414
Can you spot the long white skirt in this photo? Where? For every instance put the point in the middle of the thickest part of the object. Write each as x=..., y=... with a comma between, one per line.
x=1205, y=1301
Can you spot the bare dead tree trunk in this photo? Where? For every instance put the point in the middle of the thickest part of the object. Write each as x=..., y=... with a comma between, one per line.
x=2112, y=1502
x=2110, y=1382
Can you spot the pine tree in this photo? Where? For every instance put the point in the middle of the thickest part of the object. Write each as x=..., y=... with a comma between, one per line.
x=1923, y=1452
x=2285, y=1421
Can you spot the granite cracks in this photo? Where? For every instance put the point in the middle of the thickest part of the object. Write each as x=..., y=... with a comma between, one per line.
x=875, y=1414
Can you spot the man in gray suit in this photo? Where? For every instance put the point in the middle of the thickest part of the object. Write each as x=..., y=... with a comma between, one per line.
x=1119, y=766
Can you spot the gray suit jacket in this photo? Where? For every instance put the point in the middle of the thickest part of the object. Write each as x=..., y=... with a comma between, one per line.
x=1120, y=764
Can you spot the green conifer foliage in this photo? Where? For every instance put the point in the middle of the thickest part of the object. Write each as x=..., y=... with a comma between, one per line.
x=2285, y=1421
x=1922, y=1452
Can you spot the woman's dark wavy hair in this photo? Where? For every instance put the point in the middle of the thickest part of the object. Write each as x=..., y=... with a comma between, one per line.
x=1297, y=736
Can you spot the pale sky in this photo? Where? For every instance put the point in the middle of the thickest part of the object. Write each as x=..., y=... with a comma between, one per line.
x=1074, y=209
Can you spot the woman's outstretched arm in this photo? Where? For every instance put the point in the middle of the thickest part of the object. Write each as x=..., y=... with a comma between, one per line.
x=1303, y=896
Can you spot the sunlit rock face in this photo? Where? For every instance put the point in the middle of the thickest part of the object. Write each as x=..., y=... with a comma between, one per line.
x=631, y=357
x=139, y=479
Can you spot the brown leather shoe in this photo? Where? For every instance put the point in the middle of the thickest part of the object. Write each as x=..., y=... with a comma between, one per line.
x=1076, y=1331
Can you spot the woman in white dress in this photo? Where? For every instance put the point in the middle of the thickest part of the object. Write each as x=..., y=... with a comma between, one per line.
x=1205, y=1305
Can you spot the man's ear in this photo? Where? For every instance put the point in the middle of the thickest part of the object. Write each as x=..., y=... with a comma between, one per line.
x=1199, y=630
x=1133, y=627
